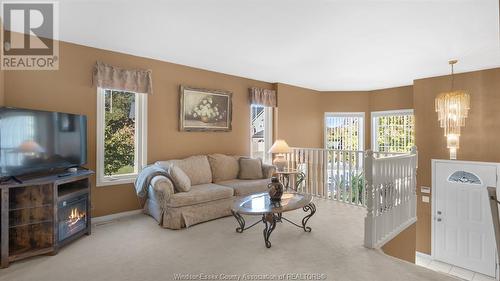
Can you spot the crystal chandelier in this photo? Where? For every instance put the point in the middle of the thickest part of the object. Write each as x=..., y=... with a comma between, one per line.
x=452, y=108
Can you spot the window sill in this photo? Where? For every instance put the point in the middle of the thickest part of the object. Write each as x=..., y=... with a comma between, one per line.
x=116, y=181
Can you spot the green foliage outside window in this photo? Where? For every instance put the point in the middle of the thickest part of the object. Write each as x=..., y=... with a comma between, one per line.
x=119, y=133
x=357, y=182
x=345, y=135
x=395, y=133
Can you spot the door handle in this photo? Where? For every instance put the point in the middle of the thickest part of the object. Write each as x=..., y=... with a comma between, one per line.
x=438, y=219
x=439, y=212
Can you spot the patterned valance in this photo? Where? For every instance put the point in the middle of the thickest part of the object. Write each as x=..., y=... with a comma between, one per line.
x=263, y=97
x=112, y=77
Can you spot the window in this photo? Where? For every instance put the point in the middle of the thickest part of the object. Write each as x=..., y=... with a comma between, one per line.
x=121, y=136
x=344, y=131
x=393, y=131
x=261, y=134
x=10, y=155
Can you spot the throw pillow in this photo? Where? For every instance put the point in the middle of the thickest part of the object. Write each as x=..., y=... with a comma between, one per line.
x=197, y=168
x=223, y=167
x=181, y=181
x=250, y=169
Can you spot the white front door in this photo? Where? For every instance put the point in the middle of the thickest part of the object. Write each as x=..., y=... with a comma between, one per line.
x=463, y=228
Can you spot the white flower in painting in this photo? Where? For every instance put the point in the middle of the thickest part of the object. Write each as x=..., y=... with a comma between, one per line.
x=207, y=108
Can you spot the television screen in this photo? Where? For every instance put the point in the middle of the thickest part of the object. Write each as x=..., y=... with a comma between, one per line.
x=36, y=141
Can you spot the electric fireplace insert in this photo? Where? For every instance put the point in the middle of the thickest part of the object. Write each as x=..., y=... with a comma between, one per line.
x=72, y=215
x=73, y=210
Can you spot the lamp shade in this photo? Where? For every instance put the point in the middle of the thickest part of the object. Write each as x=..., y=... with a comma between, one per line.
x=30, y=146
x=280, y=146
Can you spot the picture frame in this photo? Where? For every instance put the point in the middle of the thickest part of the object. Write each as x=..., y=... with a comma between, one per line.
x=205, y=110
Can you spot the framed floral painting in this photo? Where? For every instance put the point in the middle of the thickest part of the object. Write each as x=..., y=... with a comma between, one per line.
x=205, y=110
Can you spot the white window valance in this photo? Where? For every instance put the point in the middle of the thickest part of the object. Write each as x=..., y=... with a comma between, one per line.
x=263, y=97
x=117, y=78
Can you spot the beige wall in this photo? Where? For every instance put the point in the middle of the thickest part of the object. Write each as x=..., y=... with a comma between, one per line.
x=70, y=90
x=2, y=87
x=301, y=113
x=348, y=102
x=367, y=102
x=403, y=246
x=388, y=99
x=479, y=136
x=299, y=118
x=392, y=99
x=479, y=140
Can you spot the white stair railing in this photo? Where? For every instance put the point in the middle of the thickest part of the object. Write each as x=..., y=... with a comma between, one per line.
x=333, y=174
x=385, y=183
x=391, y=196
x=494, y=204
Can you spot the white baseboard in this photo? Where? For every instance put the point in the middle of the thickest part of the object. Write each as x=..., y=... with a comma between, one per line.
x=112, y=217
x=396, y=232
x=423, y=255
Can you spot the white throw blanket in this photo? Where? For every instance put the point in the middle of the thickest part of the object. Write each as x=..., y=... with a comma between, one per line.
x=144, y=178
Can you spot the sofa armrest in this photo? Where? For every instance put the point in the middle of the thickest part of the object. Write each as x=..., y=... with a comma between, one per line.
x=163, y=189
x=268, y=170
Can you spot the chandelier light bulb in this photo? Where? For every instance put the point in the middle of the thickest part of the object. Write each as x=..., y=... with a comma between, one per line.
x=452, y=108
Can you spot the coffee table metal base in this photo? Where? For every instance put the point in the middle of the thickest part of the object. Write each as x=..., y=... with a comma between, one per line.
x=270, y=220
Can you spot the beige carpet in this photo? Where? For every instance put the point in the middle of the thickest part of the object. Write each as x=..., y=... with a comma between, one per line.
x=136, y=248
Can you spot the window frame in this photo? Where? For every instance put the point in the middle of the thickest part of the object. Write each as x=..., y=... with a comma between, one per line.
x=141, y=102
x=361, y=134
x=374, y=125
x=268, y=132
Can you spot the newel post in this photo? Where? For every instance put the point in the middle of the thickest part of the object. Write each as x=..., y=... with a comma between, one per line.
x=414, y=152
x=370, y=217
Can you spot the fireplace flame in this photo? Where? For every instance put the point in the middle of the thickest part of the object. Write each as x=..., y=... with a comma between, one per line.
x=75, y=216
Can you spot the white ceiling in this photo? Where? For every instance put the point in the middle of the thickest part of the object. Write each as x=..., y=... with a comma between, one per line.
x=323, y=45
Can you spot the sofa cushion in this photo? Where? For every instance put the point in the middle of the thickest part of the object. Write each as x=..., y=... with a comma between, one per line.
x=250, y=169
x=200, y=194
x=196, y=168
x=224, y=167
x=246, y=187
x=181, y=181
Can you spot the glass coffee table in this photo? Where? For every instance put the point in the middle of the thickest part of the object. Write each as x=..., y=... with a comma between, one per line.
x=272, y=212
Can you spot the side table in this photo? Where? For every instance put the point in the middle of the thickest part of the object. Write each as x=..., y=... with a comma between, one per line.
x=291, y=178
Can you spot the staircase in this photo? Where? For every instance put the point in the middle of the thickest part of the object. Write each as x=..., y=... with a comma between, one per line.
x=391, y=197
x=384, y=183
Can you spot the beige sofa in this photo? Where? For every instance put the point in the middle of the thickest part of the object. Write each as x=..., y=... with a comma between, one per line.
x=214, y=186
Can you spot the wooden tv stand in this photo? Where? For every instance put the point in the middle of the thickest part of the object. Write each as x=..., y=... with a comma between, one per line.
x=41, y=214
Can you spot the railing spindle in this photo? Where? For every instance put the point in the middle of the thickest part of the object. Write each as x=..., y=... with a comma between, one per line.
x=350, y=177
x=384, y=182
x=325, y=174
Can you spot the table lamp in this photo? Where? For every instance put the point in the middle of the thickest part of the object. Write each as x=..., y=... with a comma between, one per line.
x=30, y=147
x=280, y=148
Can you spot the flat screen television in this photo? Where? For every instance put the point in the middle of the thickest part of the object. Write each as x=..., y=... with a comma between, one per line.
x=33, y=141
